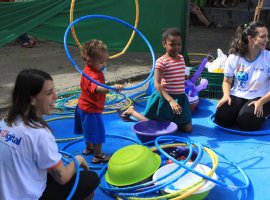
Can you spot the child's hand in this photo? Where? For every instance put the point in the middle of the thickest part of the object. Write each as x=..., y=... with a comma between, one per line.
x=118, y=87
x=176, y=108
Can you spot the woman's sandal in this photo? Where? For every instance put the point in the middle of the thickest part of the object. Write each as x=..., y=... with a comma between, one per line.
x=124, y=117
x=87, y=151
x=104, y=158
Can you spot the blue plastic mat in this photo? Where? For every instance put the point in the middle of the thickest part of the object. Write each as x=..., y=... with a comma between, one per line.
x=251, y=153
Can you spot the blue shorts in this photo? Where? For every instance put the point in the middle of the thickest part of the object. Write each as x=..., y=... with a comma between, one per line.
x=91, y=125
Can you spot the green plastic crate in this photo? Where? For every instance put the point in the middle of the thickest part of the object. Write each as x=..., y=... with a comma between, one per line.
x=214, y=87
x=212, y=92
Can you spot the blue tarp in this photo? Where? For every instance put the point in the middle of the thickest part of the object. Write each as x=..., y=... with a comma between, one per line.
x=251, y=153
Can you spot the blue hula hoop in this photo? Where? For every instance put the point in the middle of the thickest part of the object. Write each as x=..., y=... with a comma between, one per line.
x=156, y=186
x=234, y=131
x=77, y=166
x=121, y=22
x=151, y=186
x=116, y=99
x=231, y=187
x=66, y=107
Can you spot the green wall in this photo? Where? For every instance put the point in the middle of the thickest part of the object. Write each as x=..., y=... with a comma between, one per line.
x=48, y=19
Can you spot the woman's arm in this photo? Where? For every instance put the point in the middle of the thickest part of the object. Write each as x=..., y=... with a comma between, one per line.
x=63, y=174
x=226, y=88
x=265, y=98
x=258, y=110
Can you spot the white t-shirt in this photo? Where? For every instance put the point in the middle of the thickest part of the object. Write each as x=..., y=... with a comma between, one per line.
x=251, y=78
x=25, y=155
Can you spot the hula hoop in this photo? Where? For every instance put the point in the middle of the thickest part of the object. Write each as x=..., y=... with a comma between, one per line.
x=66, y=103
x=77, y=166
x=149, y=187
x=198, y=54
x=76, y=93
x=209, y=56
x=129, y=41
x=140, y=98
x=60, y=100
x=185, y=192
x=116, y=98
x=232, y=187
x=121, y=22
x=149, y=184
x=64, y=139
x=111, y=99
x=67, y=94
x=109, y=109
x=139, y=193
x=234, y=131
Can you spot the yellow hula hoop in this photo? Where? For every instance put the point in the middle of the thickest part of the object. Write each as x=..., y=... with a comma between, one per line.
x=104, y=112
x=194, y=188
x=113, y=110
x=189, y=190
x=185, y=192
x=71, y=20
x=58, y=118
x=124, y=108
x=141, y=95
x=198, y=54
x=68, y=139
x=129, y=41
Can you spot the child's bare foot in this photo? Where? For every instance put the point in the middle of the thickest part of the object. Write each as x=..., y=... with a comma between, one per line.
x=129, y=111
x=125, y=116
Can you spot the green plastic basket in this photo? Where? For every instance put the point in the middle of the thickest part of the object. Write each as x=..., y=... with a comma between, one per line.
x=214, y=87
x=212, y=92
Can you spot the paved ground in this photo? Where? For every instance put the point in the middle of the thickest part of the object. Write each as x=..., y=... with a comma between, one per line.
x=51, y=57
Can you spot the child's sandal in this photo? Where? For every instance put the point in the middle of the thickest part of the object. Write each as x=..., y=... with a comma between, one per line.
x=87, y=151
x=104, y=158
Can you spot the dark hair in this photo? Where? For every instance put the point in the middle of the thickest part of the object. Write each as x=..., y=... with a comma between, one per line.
x=239, y=44
x=28, y=84
x=92, y=48
x=170, y=32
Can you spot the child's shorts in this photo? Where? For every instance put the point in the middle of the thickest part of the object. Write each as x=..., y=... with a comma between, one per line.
x=91, y=125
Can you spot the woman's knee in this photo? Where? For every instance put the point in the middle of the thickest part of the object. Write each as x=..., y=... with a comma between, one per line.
x=223, y=118
x=88, y=183
x=249, y=122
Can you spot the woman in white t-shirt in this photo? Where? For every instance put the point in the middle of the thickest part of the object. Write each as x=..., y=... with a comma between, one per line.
x=246, y=85
x=28, y=149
